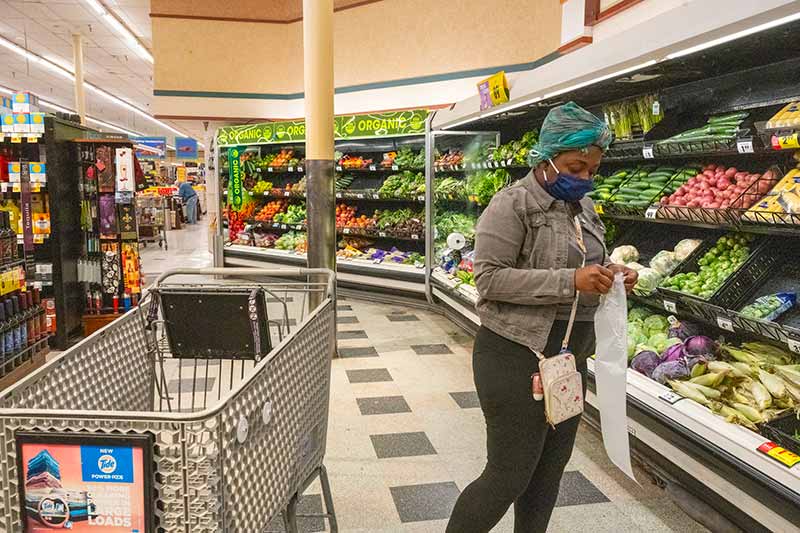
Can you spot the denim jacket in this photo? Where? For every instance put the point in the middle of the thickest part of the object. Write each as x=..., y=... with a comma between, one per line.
x=520, y=266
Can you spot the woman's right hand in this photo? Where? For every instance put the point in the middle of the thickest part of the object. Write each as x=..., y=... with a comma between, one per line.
x=593, y=279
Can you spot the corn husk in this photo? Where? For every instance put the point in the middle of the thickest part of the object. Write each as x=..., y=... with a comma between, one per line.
x=744, y=369
x=793, y=390
x=768, y=352
x=699, y=369
x=789, y=373
x=760, y=394
x=743, y=356
x=688, y=392
x=752, y=414
x=722, y=366
x=709, y=380
x=772, y=414
x=774, y=384
x=732, y=415
x=708, y=392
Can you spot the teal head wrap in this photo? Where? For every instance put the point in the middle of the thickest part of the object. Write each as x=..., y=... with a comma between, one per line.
x=569, y=127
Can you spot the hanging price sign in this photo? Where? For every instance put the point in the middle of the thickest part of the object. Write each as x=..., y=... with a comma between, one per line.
x=745, y=146
x=786, y=142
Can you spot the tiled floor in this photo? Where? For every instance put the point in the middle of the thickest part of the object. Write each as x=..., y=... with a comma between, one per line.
x=406, y=433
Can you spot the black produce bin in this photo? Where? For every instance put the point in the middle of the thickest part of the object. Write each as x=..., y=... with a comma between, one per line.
x=782, y=432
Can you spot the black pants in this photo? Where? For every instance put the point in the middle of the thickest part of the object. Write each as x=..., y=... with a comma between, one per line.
x=526, y=457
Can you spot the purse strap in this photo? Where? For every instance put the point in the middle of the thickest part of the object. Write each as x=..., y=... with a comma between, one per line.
x=574, y=311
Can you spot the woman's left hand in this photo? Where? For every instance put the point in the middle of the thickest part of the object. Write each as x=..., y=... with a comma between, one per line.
x=631, y=276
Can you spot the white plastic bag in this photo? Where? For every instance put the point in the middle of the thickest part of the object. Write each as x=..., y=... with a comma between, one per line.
x=610, y=370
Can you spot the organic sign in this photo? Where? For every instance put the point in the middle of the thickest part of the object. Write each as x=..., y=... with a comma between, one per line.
x=236, y=186
x=410, y=122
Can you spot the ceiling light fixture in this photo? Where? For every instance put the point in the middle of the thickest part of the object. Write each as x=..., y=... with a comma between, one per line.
x=734, y=36
x=121, y=29
x=600, y=78
x=51, y=65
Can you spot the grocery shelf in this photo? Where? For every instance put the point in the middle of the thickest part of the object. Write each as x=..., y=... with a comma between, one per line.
x=362, y=266
x=354, y=232
x=349, y=194
x=482, y=165
x=467, y=294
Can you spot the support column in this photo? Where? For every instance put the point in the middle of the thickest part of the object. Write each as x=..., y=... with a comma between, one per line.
x=77, y=59
x=318, y=84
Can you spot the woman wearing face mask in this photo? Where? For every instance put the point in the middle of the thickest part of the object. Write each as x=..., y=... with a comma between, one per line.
x=531, y=260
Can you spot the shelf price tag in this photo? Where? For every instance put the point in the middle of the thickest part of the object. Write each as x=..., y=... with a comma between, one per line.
x=647, y=151
x=510, y=162
x=16, y=139
x=269, y=169
x=287, y=193
x=360, y=196
x=299, y=169
x=381, y=234
x=670, y=397
x=415, y=237
x=503, y=163
x=651, y=212
x=284, y=226
x=276, y=225
x=372, y=168
x=598, y=209
x=670, y=306
x=725, y=323
x=338, y=168
x=346, y=231
x=421, y=198
x=794, y=345
x=289, y=169
x=395, y=167
x=782, y=142
x=16, y=187
x=745, y=145
x=780, y=454
x=376, y=196
x=656, y=108
x=338, y=195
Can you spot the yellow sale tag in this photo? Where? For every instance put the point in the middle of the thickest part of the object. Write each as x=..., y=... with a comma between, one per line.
x=35, y=187
x=598, y=209
x=779, y=454
x=493, y=90
x=33, y=139
x=16, y=187
x=789, y=141
x=16, y=139
x=38, y=238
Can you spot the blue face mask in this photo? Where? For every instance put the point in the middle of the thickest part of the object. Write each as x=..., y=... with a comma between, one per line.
x=566, y=187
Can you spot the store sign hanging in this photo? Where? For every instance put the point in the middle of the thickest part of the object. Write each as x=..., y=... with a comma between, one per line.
x=236, y=184
x=493, y=90
x=185, y=148
x=150, y=147
x=410, y=122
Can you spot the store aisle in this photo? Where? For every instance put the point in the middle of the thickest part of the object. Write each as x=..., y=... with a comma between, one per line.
x=188, y=247
x=406, y=436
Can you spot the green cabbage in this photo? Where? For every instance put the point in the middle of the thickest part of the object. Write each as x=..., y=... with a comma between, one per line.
x=638, y=314
x=656, y=324
x=649, y=280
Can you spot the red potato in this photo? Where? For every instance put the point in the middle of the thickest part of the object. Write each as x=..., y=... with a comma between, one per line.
x=709, y=173
x=730, y=172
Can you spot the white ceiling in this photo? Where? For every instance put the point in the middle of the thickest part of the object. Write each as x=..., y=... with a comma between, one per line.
x=45, y=28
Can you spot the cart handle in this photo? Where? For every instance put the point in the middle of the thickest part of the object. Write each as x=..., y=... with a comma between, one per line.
x=266, y=272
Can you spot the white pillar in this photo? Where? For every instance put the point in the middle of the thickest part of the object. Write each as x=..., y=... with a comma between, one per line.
x=77, y=57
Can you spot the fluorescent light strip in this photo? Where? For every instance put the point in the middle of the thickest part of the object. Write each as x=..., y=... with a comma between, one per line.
x=734, y=36
x=599, y=79
x=112, y=20
x=69, y=75
x=494, y=112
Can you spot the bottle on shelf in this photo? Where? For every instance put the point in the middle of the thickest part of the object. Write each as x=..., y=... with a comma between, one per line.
x=6, y=249
x=33, y=334
x=13, y=339
x=2, y=339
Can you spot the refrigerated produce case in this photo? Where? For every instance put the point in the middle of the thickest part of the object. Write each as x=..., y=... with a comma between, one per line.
x=729, y=114
x=380, y=198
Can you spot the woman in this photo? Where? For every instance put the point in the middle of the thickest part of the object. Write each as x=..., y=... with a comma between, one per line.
x=528, y=270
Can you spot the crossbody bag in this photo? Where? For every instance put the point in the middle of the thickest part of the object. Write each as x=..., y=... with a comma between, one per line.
x=561, y=382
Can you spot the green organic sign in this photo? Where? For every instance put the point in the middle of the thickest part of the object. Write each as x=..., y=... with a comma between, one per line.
x=236, y=184
x=345, y=127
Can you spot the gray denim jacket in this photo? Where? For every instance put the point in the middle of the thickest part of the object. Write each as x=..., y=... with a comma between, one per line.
x=520, y=266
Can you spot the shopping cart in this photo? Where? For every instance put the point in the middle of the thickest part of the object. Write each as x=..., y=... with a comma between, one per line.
x=220, y=383
x=151, y=214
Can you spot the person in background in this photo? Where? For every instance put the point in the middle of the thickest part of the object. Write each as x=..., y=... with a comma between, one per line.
x=530, y=264
x=190, y=199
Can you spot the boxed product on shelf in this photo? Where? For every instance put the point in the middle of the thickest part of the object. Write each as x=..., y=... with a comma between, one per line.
x=5, y=105
x=22, y=123
x=783, y=198
x=37, y=122
x=25, y=102
x=38, y=172
x=7, y=121
x=787, y=117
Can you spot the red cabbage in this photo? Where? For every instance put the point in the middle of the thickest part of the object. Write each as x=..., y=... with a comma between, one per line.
x=681, y=329
x=670, y=370
x=673, y=353
x=700, y=345
x=645, y=362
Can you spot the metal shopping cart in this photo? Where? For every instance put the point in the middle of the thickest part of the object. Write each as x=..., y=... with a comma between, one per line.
x=215, y=389
x=151, y=213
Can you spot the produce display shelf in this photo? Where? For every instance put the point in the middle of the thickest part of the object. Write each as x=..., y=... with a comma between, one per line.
x=410, y=272
x=482, y=165
x=724, y=458
x=349, y=194
x=377, y=168
x=354, y=232
x=466, y=294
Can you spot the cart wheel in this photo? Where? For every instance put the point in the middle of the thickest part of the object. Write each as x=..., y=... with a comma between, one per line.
x=160, y=244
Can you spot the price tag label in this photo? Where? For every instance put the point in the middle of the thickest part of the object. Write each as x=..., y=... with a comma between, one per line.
x=395, y=167
x=284, y=226
x=656, y=108
x=4, y=187
x=276, y=225
x=299, y=169
x=372, y=168
x=346, y=231
x=780, y=454
x=794, y=345
x=784, y=142
x=510, y=162
x=338, y=195
x=598, y=209
x=725, y=323
x=421, y=198
x=338, y=168
x=289, y=169
x=33, y=139
x=651, y=212
x=670, y=306
x=376, y=196
x=671, y=397
x=647, y=151
x=304, y=194
x=377, y=261
x=381, y=234
x=269, y=169
x=16, y=139
x=250, y=193
x=360, y=196
x=745, y=146
x=503, y=163
x=415, y=237
x=16, y=187
x=266, y=193
x=287, y=193
x=38, y=238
